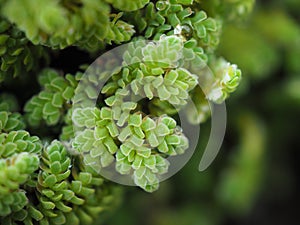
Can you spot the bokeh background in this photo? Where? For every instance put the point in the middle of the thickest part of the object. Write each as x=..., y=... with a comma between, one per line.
x=255, y=177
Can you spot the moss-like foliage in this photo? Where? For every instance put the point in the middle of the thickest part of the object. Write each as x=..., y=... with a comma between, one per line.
x=120, y=131
x=131, y=123
x=52, y=102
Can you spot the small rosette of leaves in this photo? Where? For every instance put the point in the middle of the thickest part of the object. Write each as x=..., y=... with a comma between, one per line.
x=96, y=141
x=146, y=142
x=173, y=87
x=10, y=121
x=18, y=161
x=146, y=62
x=52, y=102
x=144, y=168
x=13, y=206
x=165, y=53
x=226, y=79
x=159, y=18
x=98, y=195
x=15, y=171
x=119, y=31
x=118, y=134
x=176, y=17
x=19, y=141
x=145, y=59
x=54, y=193
x=148, y=71
x=206, y=30
x=67, y=195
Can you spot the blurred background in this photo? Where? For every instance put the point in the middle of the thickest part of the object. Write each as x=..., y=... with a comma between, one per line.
x=255, y=177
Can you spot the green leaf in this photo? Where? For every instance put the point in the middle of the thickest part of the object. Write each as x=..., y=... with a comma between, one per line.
x=173, y=140
x=68, y=93
x=152, y=139
x=34, y=213
x=139, y=132
x=139, y=173
x=101, y=133
x=113, y=129
x=148, y=124
x=124, y=134
x=125, y=150
x=55, y=167
x=144, y=152
x=85, y=178
x=136, y=140
x=170, y=122
x=163, y=147
x=47, y=204
x=49, y=109
x=50, y=180
x=106, y=113
x=163, y=93
x=57, y=100
x=106, y=159
x=110, y=145
x=135, y=120
x=129, y=105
